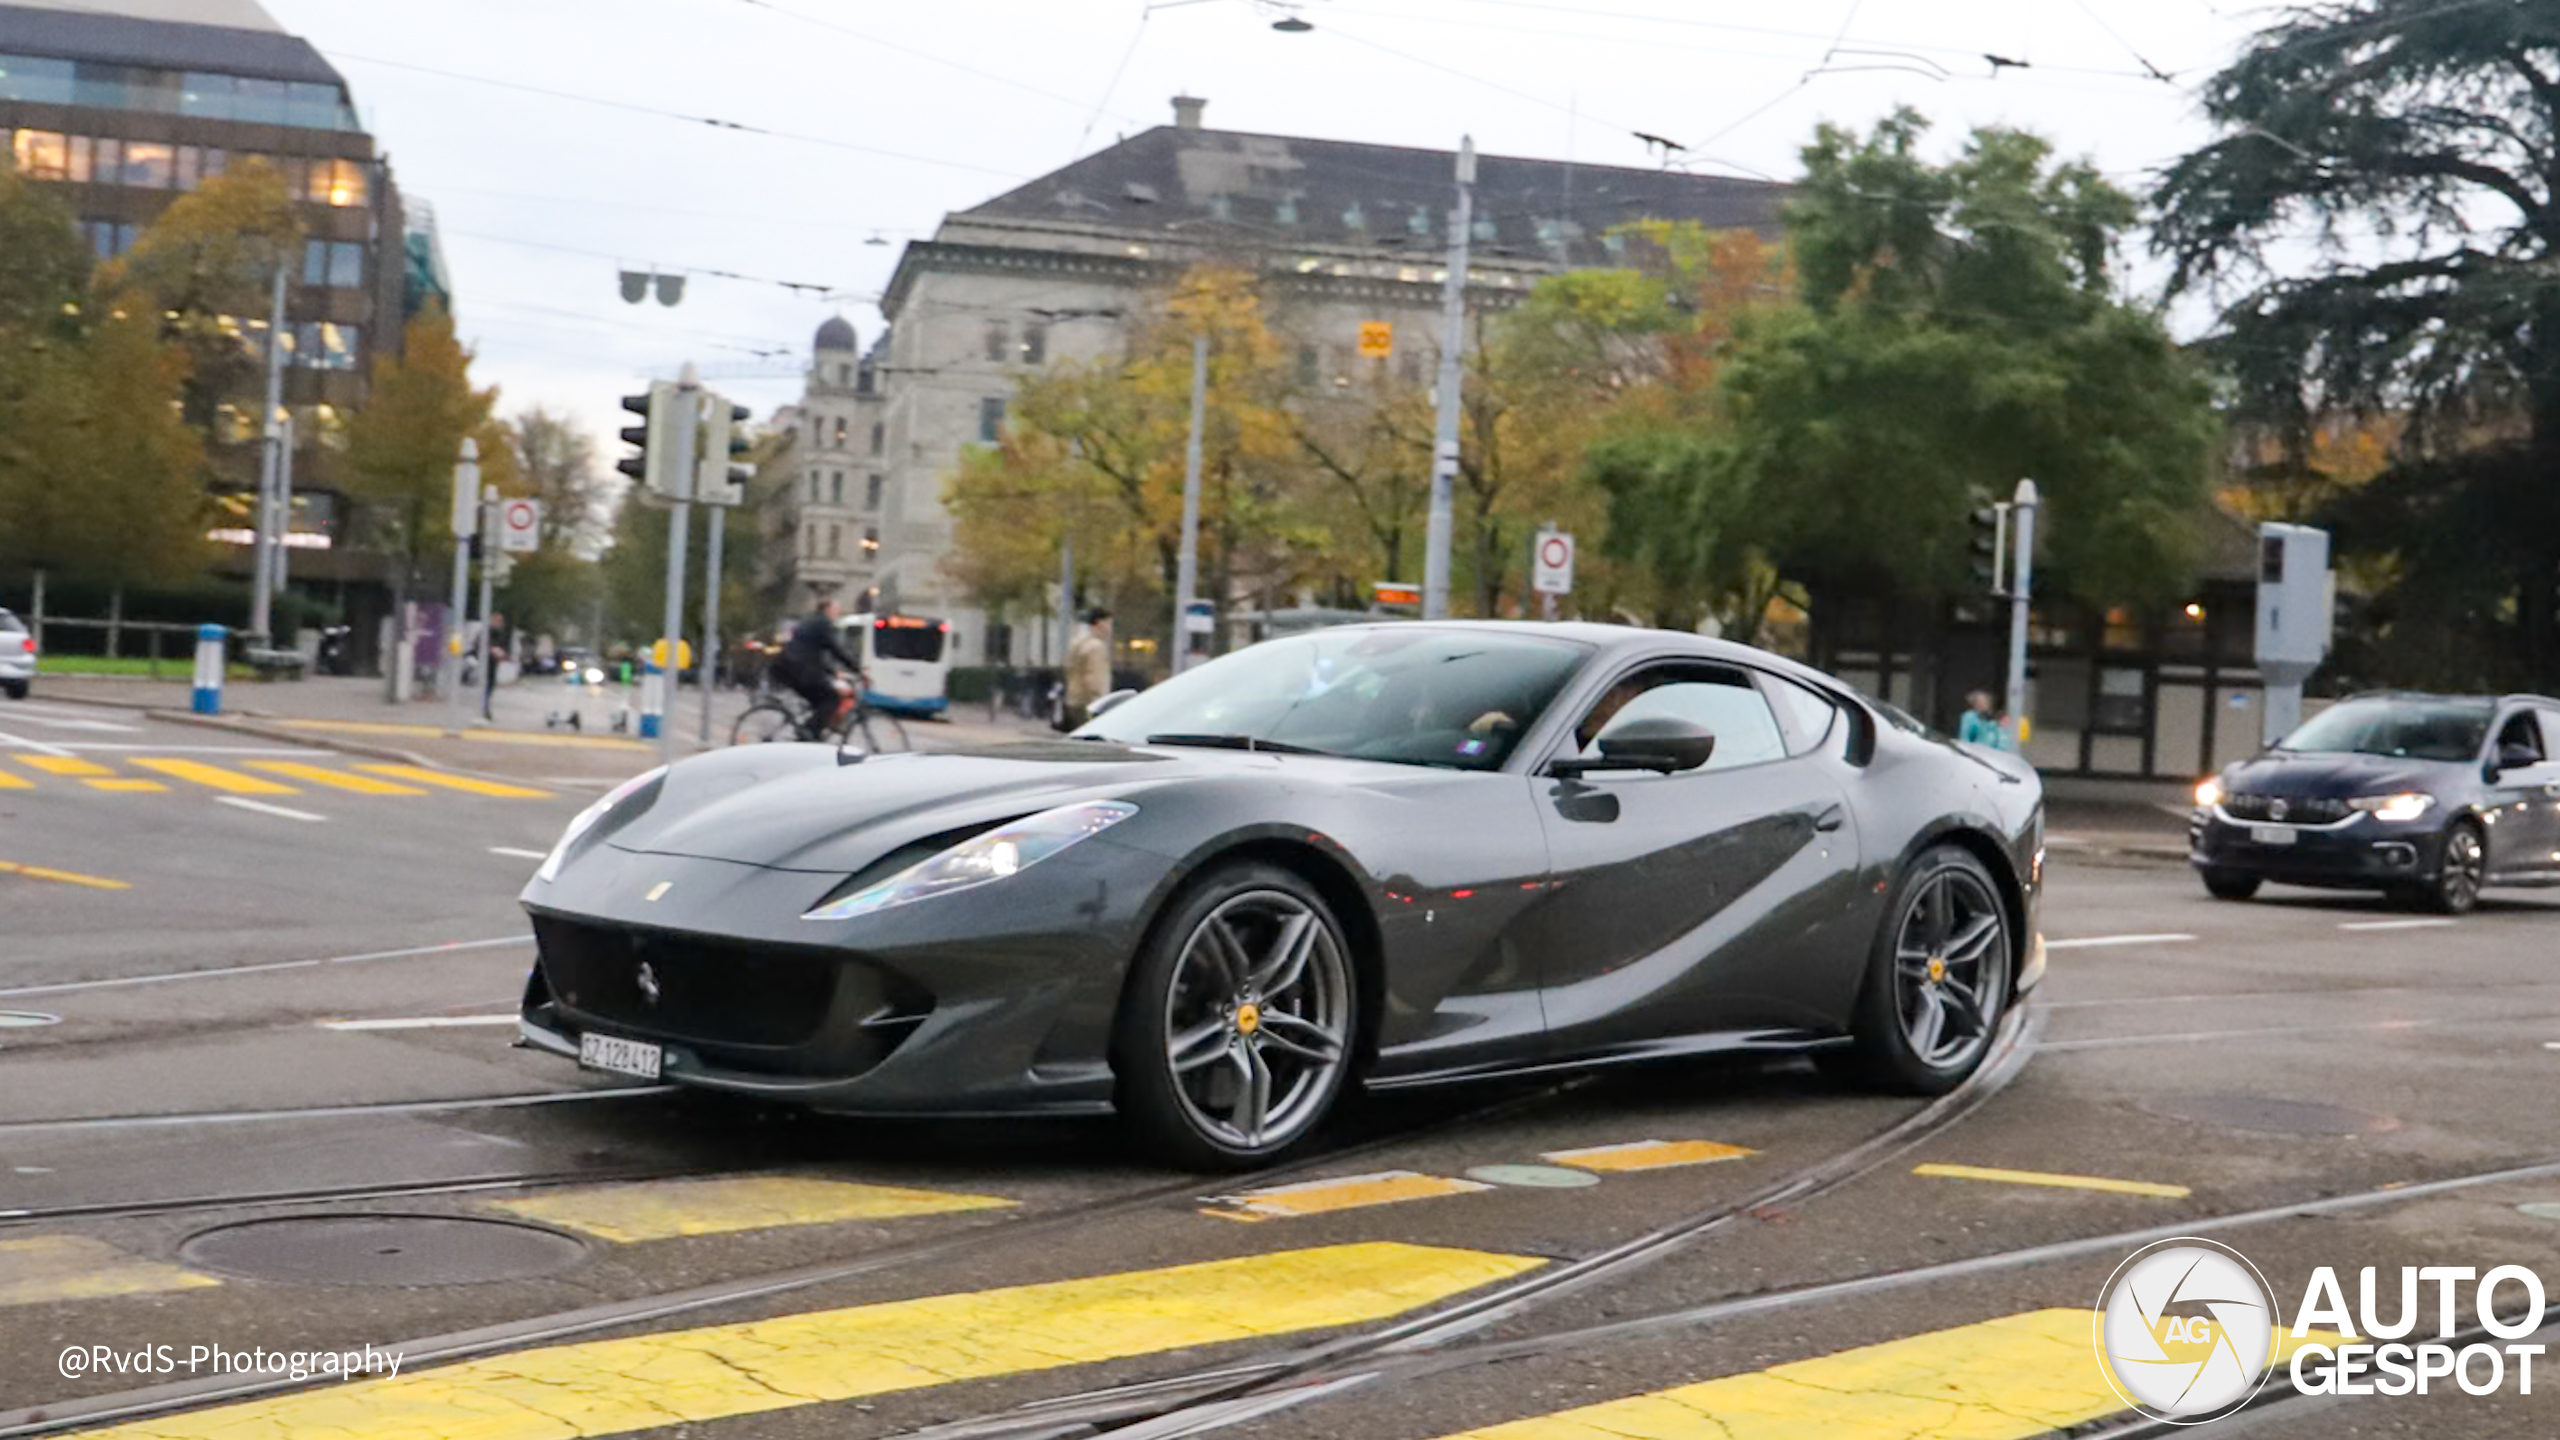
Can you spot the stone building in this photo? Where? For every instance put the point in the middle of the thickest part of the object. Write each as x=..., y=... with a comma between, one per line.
x=1344, y=233
x=838, y=482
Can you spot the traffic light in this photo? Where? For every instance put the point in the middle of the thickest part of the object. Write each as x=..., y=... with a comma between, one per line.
x=718, y=478
x=655, y=465
x=1987, y=546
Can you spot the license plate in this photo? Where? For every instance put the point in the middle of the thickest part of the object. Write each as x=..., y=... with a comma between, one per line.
x=2271, y=834
x=622, y=1057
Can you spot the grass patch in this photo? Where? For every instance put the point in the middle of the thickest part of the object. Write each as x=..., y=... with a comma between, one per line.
x=181, y=668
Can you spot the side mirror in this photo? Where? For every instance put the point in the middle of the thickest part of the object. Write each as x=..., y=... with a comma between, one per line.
x=1658, y=743
x=1107, y=702
x=2514, y=757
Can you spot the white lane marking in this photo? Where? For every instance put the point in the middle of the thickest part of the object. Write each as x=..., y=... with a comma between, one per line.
x=2091, y=941
x=221, y=972
x=2551, y=1044
x=2393, y=924
x=331, y=1112
x=71, y=722
x=418, y=1022
x=263, y=808
x=21, y=742
x=519, y=854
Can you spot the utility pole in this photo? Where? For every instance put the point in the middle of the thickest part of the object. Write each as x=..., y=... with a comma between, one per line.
x=284, y=511
x=2022, y=507
x=1186, y=574
x=262, y=562
x=680, y=444
x=466, y=519
x=1444, y=444
x=488, y=583
x=709, y=671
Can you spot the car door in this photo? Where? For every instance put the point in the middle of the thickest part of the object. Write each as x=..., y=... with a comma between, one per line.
x=1710, y=900
x=2524, y=843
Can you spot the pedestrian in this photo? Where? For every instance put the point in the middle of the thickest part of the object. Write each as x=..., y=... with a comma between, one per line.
x=1981, y=724
x=1088, y=668
x=494, y=640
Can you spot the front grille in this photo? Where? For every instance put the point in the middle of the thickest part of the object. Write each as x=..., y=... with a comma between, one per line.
x=711, y=991
x=2296, y=811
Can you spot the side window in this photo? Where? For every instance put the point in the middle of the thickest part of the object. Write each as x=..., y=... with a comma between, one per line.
x=1723, y=700
x=1807, y=715
x=2520, y=731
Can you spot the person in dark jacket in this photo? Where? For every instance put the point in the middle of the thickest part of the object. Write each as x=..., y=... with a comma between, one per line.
x=804, y=664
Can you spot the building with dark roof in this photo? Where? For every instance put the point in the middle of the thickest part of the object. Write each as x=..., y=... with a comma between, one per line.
x=1344, y=234
x=126, y=105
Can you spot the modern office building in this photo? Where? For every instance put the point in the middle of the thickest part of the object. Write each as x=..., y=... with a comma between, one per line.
x=128, y=105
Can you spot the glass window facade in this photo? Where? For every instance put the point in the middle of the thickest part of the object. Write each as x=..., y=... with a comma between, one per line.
x=991, y=419
x=338, y=264
x=325, y=345
x=148, y=91
x=155, y=165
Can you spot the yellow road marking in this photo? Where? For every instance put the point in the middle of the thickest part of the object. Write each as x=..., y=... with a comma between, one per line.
x=456, y=782
x=335, y=779
x=647, y=1382
x=10, y=781
x=43, y=1269
x=1318, y=1197
x=2006, y=1379
x=64, y=765
x=631, y=1213
x=1648, y=1155
x=216, y=778
x=485, y=737
x=123, y=786
x=2058, y=1182
x=66, y=877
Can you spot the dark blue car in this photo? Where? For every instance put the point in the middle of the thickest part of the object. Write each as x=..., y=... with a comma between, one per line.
x=2426, y=797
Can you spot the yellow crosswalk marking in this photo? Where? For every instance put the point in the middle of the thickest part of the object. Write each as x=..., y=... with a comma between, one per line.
x=2058, y=1182
x=662, y=1210
x=2005, y=1379
x=463, y=783
x=1352, y=1192
x=215, y=777
x=646, y=1382
x=64, y=877
x=64, y=765
x=335, y=779
x=43, y=1269
x=10, y=781
x=1648, y=1155
x=123, y=785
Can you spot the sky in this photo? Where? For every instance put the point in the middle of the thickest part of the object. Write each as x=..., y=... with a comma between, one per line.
x=887, y=116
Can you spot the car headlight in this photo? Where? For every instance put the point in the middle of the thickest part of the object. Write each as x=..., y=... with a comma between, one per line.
x=1005, y=850
x=2208, y=793
x=2407, y=805
x=586, y=820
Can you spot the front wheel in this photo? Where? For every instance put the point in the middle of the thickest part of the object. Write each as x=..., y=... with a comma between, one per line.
x=2458, y=878
x=1937, y=976
x=764, y=723
x=878, y=732
x=1236, y=1029
x=2230, y=884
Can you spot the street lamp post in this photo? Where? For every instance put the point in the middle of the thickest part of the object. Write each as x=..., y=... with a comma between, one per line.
x=466, y=520
x=1444, y=444
x=1186, y=573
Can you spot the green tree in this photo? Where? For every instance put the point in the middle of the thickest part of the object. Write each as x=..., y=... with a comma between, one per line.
x=135, y=465
x=402, y=446
x=47, y=266
x=209, y=263
x=2422, y=134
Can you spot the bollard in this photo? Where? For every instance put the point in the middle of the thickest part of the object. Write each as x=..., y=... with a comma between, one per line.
x=209, y=658
x=653, y=701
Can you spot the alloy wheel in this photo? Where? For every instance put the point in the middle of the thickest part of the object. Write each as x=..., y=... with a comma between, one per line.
x=2465, y=862
x=1950, y=968
x=1257, y=1026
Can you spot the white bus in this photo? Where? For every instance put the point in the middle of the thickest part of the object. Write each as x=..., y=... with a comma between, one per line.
x=907, y=657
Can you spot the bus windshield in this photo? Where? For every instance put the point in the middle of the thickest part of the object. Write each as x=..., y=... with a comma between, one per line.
x=907, y=637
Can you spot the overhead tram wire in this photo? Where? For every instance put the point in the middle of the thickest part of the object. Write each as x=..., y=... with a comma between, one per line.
x=808, y=286
x=926, y=56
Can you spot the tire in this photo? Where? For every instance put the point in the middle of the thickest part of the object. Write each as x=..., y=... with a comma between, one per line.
x=2229, y=884
x=879, y=733
x=14, y=689
x=1199, y=1033
x=2459, y=873
x=1957, y=963
x=765, y=722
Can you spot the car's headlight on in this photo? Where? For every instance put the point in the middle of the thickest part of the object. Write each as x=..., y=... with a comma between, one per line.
x=586, y=820
x=2208, y=793
x=2407, y=805
x=1005, y=850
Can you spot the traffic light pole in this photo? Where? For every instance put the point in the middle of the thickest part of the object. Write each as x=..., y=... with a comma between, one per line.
x=2022, y=508
x=710, y=668
x=466, y=511
x=1186, y=575
x=488, y=584
x=680, y=442
x=1439, y=534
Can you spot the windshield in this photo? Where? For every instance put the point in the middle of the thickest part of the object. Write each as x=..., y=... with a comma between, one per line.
x=907, y=637
x=2412, y=729
x=1407, y=694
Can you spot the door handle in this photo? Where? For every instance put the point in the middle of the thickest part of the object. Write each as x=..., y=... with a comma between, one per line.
x=1831, y=819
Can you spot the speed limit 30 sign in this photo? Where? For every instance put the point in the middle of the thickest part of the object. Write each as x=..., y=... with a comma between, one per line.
x=1551, y=563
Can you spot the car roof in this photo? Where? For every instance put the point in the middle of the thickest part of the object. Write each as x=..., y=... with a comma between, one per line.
x=2514, y=699
x=1618, y=639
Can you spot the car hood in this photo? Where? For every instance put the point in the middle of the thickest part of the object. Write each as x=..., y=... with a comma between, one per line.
x=2333, y=776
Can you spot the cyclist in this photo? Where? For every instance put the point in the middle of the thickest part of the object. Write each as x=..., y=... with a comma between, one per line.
x=803, y=667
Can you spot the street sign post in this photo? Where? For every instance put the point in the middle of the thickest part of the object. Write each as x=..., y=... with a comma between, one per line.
x=1551, y=564
x=1377, y=339
x=519, y=526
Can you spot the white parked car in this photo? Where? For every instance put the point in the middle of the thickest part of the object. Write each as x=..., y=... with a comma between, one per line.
x=17, y=657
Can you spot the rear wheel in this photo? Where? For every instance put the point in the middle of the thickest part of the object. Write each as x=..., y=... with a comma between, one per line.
x=764, y=722
x=15, y=689
x=1235, y=1033
x=1937, y=976
x=2230, y=884
x=2456, y=887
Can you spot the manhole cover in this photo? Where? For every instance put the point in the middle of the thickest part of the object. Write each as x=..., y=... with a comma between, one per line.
x=26, y=1019
x=2271, y=1116
x=382, y=1250
x=1548, y=1177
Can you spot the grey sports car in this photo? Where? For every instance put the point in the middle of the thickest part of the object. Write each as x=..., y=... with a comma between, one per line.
x=1380, y=855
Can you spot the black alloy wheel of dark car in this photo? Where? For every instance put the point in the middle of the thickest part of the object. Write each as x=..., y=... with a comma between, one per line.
x=1938, y=977
x=2456, y=887
x=1238, y=1025
x=2230, y=884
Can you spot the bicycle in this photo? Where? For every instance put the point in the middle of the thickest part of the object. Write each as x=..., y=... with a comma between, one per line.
x=782, y=715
